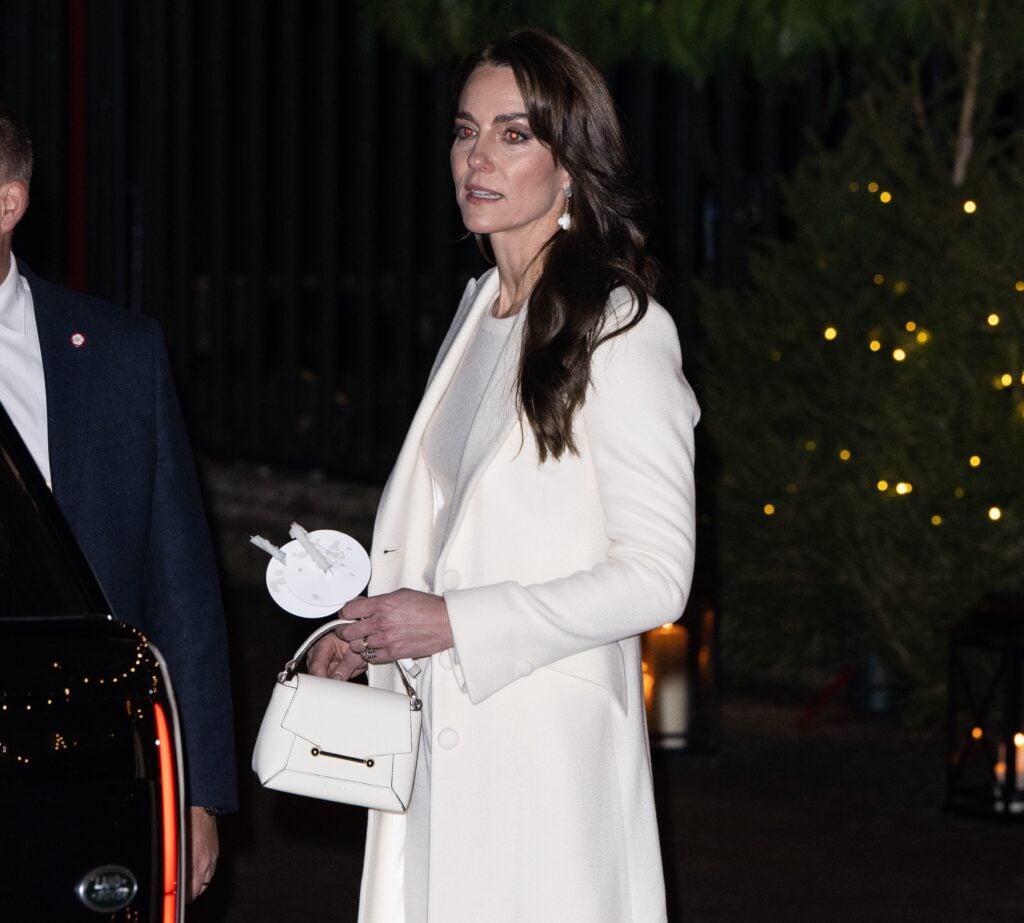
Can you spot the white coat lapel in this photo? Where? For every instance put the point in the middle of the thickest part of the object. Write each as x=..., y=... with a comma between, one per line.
x=479, y=294
x=408, y=493
x=494, y=420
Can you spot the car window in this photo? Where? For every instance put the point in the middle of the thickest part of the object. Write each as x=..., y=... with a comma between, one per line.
x=42, y=570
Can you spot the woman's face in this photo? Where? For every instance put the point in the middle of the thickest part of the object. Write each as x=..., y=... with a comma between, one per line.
x=506, y=181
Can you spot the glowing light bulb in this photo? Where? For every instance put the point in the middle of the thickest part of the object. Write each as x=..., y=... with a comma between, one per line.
x=874, y=346
x=878, y=278
x=959, y=493
x=769, y=509
x=900, y=287
x=911, y=326
x=923, y=336
x=936, y=520
x=904, y=487
x=1019, y=285
x=830, y=333
x=975, y=461
x=1006, y=379
x=994, y=513
x=885, y=197
x=844, y=454
x=899, y=354
x=872, y=186
x=993, y=320
x=977, y=733
x=970, y=206
x=883, y=486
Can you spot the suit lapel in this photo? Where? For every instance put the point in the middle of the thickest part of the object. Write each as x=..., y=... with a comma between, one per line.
x=66, y=377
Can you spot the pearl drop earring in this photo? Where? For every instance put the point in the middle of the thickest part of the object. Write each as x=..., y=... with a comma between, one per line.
x=565, y=219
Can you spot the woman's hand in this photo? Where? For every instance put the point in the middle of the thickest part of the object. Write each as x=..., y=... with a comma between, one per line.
x=332, y=657
x=406, y=623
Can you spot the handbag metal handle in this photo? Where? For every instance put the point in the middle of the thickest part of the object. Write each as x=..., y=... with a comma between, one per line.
x=292, y=666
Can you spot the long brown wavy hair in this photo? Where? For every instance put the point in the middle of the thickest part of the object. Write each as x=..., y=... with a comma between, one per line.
x=571, y=111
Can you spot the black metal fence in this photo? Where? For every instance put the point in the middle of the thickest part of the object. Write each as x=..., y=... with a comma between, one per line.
x=272, y=183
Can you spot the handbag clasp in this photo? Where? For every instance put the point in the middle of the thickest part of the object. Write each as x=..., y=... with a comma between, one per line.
x=316, y=751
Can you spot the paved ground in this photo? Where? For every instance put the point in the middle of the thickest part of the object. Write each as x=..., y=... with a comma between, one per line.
x=838, y=823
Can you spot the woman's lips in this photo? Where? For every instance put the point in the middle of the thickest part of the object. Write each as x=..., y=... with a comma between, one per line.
x=479, y=194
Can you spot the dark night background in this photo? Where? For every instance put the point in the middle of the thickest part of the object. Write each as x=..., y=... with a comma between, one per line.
x=270, y=180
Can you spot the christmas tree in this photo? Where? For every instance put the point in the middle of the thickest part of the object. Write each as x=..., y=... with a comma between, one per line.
x=865, y=397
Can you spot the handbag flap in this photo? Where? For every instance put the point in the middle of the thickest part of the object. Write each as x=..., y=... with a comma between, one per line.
x=349, y=718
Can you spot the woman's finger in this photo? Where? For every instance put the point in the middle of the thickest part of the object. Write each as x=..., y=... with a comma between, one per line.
x=324, y=653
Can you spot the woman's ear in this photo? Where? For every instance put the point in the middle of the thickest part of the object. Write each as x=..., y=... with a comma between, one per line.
x=13, y=204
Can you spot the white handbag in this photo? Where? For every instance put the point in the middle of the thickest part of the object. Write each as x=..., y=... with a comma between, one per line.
x=339, y=741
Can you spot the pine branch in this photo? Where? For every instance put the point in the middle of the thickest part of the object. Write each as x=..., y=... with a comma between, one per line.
x=965, y=133
x=921, y=113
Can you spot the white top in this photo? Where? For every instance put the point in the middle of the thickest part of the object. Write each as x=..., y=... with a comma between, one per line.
x=446, y=435
x=22, y=385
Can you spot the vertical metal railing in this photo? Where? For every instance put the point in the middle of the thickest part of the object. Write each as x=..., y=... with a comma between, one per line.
x=271, y=182
x=252, y=27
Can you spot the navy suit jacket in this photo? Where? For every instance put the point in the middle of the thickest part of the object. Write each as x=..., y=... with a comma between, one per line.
x=124, y=476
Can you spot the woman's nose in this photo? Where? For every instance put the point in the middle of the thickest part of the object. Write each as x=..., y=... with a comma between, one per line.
x=479, y=157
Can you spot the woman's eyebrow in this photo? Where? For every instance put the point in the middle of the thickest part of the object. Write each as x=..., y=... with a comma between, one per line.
x=505, y=117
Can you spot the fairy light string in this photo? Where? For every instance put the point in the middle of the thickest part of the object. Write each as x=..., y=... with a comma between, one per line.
x=906, y=342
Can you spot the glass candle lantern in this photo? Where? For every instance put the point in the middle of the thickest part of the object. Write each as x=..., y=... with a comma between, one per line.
x=667, y=685
x=985, y=725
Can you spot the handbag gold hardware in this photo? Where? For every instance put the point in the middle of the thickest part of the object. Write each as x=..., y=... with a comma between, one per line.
x=316, y=751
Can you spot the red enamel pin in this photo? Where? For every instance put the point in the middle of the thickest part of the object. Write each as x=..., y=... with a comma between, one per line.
x=77, y=339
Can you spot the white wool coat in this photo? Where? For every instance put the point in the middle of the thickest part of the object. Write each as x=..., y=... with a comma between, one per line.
x=542, y=808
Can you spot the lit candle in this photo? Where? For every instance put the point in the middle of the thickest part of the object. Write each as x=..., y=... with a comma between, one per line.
x=667, y=688
x=1000, y=766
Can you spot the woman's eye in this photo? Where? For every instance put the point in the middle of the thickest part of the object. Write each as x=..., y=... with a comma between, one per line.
x=516, y=136
x=462, y=131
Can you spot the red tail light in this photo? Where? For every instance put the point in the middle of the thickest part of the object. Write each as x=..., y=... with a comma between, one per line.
x=168, y=814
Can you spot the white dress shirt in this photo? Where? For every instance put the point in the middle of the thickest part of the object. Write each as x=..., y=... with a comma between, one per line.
x=22, y=385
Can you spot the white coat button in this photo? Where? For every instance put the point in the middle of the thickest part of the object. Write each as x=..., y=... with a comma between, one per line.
x=451, y=579
x=525, y=668
x=448, y=738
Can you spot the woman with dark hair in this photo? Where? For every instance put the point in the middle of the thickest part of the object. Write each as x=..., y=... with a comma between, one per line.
x=538, y=519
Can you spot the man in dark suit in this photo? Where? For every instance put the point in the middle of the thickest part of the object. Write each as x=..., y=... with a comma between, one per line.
x=89, y=387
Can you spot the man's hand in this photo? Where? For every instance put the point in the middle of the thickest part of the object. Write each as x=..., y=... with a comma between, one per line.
x=204, y=848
